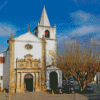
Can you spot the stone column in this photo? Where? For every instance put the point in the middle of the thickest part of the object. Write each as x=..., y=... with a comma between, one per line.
x=11, y=65
x=55, y=56
x=39, y=81
x=22, y=82
x=43, y=63
x=33, y=82
x=48, y=79
x=18, y=83
x=59, y=72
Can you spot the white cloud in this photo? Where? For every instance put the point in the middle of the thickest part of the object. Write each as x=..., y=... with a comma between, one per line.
x=65, y=39
x=87, y=23
x=61, y=39
x=83, y=24
x=6, y=31
x=85, y=2
x=84, y=30
x=84, y=18
x=96, y=39
x=80, y=15
x=71, y=42
x=3, y=4
x=3, y=49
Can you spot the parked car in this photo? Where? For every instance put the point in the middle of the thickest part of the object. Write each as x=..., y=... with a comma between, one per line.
x=76, y=88
x=59, y=90
x=76, y=85
x=71, y=81
x=68, y=88
x=88, y=89
x=63, y=82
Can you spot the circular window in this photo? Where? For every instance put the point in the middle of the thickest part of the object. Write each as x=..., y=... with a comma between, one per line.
x=28, y=46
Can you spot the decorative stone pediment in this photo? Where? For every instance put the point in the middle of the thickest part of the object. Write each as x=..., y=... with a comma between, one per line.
x=28, y=55
x=28, y=62
x=52, y=67
x=20, y=59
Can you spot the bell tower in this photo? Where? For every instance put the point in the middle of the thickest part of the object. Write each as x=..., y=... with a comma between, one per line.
x=45, y=30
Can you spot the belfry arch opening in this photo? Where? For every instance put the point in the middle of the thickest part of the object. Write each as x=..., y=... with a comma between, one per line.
x=28, y=82
x=47, y=34
x=53, y=80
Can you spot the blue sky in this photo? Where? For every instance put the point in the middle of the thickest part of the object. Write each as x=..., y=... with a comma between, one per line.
x=73, y=18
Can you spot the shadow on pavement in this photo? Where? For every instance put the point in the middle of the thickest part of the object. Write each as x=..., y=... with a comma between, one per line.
x=49, y=91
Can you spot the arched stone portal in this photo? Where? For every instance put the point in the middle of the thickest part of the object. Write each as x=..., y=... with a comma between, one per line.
x=53, y=80
x=28, y=82
x=50, y=71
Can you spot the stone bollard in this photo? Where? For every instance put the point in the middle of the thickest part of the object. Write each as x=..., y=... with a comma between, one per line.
x=4, y=91
x=52, y=92
x=34, y=89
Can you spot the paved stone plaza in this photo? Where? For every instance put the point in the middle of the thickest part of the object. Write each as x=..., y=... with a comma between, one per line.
x=42, y=96
x=49, y=96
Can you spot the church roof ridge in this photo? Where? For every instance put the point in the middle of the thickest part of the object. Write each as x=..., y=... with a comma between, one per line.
x=22, y=34
x=28, y=32
x=44, y=21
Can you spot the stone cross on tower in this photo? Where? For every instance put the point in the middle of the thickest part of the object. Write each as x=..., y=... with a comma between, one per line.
x=28, y=27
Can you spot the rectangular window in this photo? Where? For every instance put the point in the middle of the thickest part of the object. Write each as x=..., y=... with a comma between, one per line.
x=1, y=77
x=2, y=59
x=36, y=64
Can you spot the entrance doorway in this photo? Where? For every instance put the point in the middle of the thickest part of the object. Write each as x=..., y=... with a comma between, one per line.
x=53, y=80
x=28, y=82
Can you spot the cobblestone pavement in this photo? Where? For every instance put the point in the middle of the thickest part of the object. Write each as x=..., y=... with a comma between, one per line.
x=96, y=94
x=42, y=96
x=49, y=96
x=95, y=86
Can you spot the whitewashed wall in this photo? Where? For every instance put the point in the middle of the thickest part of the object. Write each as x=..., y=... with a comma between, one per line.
x=20, y=50
x=1, y=69
x=2, y=64
x=4, y=70
x=41, y=31
x=50, y=46
x=97, y=76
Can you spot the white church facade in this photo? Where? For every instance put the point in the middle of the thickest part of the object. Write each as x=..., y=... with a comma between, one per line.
x=30, y=62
